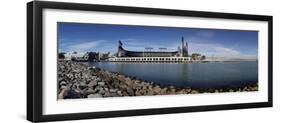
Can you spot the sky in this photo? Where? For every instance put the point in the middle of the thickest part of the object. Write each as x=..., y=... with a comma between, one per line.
x=82, y=37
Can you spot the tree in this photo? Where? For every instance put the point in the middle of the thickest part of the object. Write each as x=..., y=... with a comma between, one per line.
x=195, y=56
x=203, y=57
x=92, y=56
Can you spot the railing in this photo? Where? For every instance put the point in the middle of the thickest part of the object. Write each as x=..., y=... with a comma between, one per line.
x=150, y=59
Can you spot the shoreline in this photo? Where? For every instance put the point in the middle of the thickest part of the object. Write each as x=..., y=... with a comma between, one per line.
x=78, y=80
x=178, y=62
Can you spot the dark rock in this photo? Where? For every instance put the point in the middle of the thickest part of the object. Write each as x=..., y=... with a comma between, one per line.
x=71, y=94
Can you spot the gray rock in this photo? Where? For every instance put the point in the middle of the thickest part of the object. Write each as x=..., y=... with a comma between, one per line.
x=137, y=81
x=94, y=96
x=92, y=83
x=82, y=85
x=244, y=89
x=101, y=91
x=62, y=83
x=255, y=88
x=107, y=94
x=98, y=79
x=94, y=77
x=164, y=91
x=90, y=91
x=101, y=83
x=112, y=90
x=119, y=93
x=121, y=78
x=128, y=82
x=114, y=95
x=64, y=87
x=188, y=90
x=194, y=92
x=130, y=91
x=149, y=92
x=138, y=93
x=106, y=89
x=157, y=89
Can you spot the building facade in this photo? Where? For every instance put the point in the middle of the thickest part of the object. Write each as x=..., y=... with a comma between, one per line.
x=181, y=55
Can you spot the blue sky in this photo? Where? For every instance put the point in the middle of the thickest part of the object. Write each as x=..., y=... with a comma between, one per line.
x=104, y=38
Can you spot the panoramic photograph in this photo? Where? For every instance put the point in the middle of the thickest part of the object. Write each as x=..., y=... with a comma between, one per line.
x=106, y=60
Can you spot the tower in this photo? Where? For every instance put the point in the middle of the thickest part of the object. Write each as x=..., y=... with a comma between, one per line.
x=182, y=46
x=121, y=51
x=186, y=48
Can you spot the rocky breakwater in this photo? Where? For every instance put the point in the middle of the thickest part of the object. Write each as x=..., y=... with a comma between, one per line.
x=77, y=80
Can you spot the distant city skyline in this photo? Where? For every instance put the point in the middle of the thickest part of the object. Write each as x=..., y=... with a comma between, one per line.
x=104, y=38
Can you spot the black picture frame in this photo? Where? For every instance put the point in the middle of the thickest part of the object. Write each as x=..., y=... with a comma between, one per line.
x=35, y=69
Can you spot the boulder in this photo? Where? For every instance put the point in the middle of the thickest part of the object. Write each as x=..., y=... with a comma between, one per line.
x=101, y=83
x=157, y=89
x=98, y=79
x=138, y=93
x=90, y=91
x=130, y=91
x=92, y=83
x=188, y=90
x=194, y=92
x=107, y=94
x=114, y=95
x=64, y=87
x=82, y=85
x=121, y=78
x=113, y=90
x=149, y=92
x=124, y=93
x=106, y=89
x=94, y=96
x=101, y=91
x=254, y=88
x=129, y=82
x=62, y=83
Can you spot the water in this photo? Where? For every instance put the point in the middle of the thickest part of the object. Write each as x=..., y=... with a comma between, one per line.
x=196, y=75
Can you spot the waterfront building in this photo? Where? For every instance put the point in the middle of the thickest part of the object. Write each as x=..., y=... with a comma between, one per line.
x=75, y=56
x=103, y=56
x=181, y=55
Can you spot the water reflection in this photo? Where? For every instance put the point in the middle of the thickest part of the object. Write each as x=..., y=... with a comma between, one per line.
x=203, y=75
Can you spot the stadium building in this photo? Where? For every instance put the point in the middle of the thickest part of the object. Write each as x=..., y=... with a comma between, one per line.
x=181, y=55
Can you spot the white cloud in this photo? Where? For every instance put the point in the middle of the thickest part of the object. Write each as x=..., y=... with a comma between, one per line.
x=84, y=46
x=217, y=50
x=205, y=34
x=227, y=51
